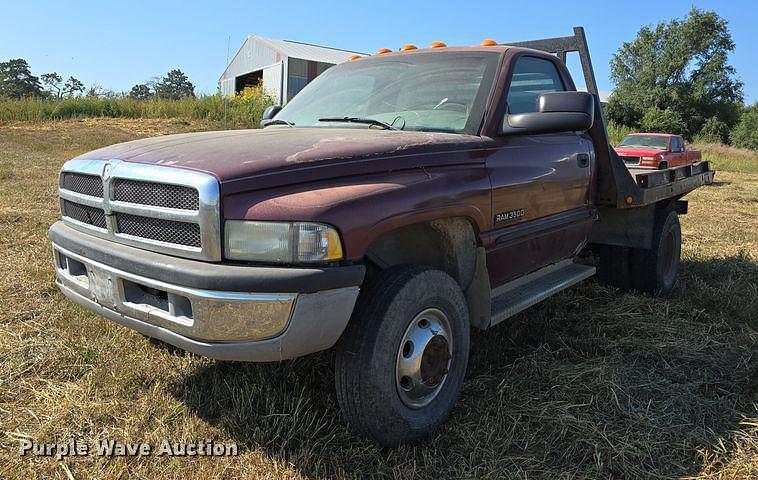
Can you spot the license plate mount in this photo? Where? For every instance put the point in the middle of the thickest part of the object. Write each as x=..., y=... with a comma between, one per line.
x=102, y=287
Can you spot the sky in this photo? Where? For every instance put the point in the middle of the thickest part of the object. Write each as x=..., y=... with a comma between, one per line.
x=119, y=44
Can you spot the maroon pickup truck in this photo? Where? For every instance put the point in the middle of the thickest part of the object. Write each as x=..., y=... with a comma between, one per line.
x=656, y=150
x=396, y=202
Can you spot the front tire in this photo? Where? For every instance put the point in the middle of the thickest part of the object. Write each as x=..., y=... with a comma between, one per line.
x=401, y=362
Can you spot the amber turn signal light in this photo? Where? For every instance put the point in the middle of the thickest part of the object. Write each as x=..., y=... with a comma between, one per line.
x=407, y=47
x=488, y=42
x=382, y=51
x=437, y=45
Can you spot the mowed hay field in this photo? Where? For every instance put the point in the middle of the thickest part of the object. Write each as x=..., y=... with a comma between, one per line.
x=593, y=383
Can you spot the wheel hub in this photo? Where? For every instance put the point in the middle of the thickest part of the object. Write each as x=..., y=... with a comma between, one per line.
x=423, y=358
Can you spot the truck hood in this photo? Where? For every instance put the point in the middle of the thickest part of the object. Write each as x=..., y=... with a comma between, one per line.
x=638, y=152
x=253, y=159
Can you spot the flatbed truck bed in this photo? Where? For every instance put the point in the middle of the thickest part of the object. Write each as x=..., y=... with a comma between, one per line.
x=620, y=186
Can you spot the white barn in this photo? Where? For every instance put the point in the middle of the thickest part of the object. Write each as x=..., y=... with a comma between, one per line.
x=283, y=67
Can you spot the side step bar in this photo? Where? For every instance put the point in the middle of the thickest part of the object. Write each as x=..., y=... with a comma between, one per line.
x=522, y=293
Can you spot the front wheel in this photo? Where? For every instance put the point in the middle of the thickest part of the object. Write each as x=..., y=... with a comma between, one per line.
x=401, y=362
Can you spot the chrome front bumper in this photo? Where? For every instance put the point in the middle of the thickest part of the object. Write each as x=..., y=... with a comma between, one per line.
x=220, y=324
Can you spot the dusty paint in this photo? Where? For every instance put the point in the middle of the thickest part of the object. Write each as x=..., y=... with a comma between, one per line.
x=368, y=181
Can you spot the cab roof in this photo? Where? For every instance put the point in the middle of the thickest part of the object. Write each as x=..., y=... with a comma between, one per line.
x=653, y=134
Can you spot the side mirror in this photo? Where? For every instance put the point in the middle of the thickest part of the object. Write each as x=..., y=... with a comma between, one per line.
x=268, y=114
x=556, y=112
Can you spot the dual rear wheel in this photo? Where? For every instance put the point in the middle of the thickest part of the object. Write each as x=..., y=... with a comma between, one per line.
x=652, y=270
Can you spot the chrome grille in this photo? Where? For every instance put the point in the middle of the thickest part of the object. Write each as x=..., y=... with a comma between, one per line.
x=156, y=194
x=159, y=208
x=84, y=213
x=630, y=160
x=91, y=185
x=168, y=231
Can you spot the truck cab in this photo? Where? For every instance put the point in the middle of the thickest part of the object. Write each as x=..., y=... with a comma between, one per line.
x=395, y=203
x=656, y=150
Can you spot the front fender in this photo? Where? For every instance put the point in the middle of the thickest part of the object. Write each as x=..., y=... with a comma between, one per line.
x=365, y=207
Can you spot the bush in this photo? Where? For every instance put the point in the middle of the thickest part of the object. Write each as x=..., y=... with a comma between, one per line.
x=713, y=131
x=617, y=132
x=663, y=121
x=745, y=134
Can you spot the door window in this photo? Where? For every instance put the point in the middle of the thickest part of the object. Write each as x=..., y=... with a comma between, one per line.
x=532, y=77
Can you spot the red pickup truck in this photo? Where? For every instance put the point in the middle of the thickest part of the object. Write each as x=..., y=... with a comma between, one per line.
x=395, y=203
x=656, y=150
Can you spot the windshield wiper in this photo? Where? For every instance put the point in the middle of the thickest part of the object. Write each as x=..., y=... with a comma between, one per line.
x=368, y=121
x=276, y=121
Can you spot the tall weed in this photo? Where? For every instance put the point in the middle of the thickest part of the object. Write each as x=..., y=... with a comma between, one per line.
x=241, y=111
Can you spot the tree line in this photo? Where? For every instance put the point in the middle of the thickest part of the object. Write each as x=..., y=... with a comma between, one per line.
x=675, y=77
x=17, y=81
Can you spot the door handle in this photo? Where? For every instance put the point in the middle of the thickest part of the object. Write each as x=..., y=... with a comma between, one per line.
x=583, y=159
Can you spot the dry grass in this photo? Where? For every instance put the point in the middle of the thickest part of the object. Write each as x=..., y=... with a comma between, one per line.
x=727, y=157
x=593, y=383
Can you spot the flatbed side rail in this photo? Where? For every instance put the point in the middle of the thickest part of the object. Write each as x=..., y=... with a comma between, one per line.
x=616, y=186
x=657, y=185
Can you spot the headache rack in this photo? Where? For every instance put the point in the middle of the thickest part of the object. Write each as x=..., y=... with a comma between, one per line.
x=618, y=186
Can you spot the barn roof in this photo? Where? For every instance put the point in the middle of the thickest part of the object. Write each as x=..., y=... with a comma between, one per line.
x=306, y=51
x=257, y=52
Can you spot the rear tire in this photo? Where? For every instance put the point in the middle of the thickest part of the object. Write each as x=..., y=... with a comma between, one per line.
x=656, y=270
x=614, y=266
x=408, y=317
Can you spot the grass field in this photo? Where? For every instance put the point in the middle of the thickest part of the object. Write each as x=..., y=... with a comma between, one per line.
x=244, y=110
x=593, y=383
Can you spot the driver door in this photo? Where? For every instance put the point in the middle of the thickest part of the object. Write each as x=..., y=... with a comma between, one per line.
x=540, y=184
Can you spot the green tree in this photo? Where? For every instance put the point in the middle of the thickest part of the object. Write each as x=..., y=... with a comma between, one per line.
x=714, y=131
x=141, y=91
x=53, y=84
x=681, y=65
x=17, y=81
x=657, y=120
x=175, y=85
x=745, y=134
x=73, y=87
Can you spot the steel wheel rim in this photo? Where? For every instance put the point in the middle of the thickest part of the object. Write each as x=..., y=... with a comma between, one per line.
x=423, y=358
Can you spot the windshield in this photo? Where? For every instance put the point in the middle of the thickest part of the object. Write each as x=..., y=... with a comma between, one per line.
x=433, y=91
x=647, y=141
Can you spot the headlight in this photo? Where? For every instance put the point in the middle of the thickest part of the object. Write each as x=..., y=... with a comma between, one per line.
x=298, y=242
x=648, y=159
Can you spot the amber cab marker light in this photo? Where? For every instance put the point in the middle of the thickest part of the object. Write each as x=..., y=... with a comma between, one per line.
x=382, y=51
x=437, y=45
x=355, y=57
x=488, y=42
x=407, y=47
